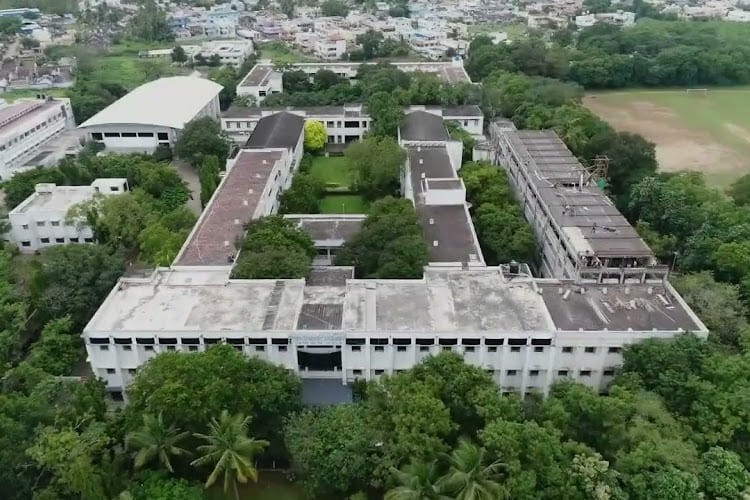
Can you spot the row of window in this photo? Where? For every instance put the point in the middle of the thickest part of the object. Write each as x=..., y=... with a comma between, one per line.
x=53, y=223
x=609, y=372
x=24, y=135
x=191, y=348
x=47, y=241
x=98, y=136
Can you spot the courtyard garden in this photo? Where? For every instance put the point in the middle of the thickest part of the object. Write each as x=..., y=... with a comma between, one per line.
x=336, y=174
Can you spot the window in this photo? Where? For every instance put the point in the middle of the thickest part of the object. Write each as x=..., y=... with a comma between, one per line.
x=379, y=348
x=25, y=226
x=88, y=240
x=585, y=373
x=110, y=371
x=74, y=240
x=401, y=348
x=615, y=349
x=40, y=223
x=170, y=348
x=357, y=372
x=609, y=372
x=116, y=395
x=131, y=371
x=356, y=348
x=562, y=373
x=128, y=134
x=260, y=348
x=282, y=348
x=162, y=136
x=379, y=372
x=238, y=347
x=567, y=349
x=447, y=348
x=192, y=348
x=538, y=348
x=511, y=373
x=97, y=136
x=515, y=348
x=590, y=350
x=145, y=134
x=469, y=348
x=44, y=240
x=55, y=223
x=104, y=348
x=492, y=349
x=533, y=373
x=111, y=134
x=127, y=348
x=25, y=243
x=424, y=348
x=149, y=348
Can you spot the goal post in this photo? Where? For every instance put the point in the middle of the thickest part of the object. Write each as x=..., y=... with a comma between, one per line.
x=701, y=92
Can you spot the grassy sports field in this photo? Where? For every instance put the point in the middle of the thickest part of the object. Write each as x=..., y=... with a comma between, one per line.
x=701, y=131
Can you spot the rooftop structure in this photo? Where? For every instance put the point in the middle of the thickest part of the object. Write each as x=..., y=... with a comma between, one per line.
x=423, y=126
x=235, y=202
x=328, y=232
x=167, y=102
x=279, y=130
x=589, y=238
x=153, y=114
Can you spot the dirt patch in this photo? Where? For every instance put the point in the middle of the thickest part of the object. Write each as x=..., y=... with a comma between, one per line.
x=678, y=147
x=737, y=131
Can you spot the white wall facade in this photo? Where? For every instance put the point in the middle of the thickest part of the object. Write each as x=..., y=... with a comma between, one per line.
x=35, y=225
x=23, y=138
x=143, y=138
x=472, y=124
x=340, y=128
x=521, y=364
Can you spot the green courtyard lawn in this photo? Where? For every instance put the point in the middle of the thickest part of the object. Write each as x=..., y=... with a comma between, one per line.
x=343, y=204
x=280, y=53
x=332, y=170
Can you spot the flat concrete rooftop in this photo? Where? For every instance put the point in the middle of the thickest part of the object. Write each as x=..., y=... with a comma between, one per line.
x=59, y=198
x=329, y=230
x=445, y=301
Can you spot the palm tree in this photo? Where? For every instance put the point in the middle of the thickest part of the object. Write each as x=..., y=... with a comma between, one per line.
x=230, y=450
x=417, y=481
x=155, y=440
x=469, y=478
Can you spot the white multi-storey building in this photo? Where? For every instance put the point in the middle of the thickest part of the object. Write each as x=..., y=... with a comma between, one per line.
x=230, y=52
x=41, y=220
x=28, y=128
x=330, y=47
x=526, y=332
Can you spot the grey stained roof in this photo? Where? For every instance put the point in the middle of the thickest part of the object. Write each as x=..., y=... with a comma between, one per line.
x=328, y=230
x=587, y=215
x=280, y=130
x=423, y=126
x=467, y=110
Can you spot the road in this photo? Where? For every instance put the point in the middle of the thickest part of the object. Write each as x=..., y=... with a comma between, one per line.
x=190, y=176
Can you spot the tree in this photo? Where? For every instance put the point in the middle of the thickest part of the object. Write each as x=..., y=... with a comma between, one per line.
x=171, y=383
x=29, y=43
x=287, y=8
x=179, y=55
x=390, y=244
x=274, y=248
x=225, y=76
x=324, y=79
x=230, y=450
x=334, y=449
x=58, y=349
x=315, y=135
x=331, y=8
x=386, y=114
x=73, y=280
x=200, y=138
x=723, y=475
x=154, y=486
x=376, y=163
x=470, y=477
x=208, y=175
x=370, y=42
x=10, y=25
x=740, y=190
x=296, y=81
x=303, y=196
x=416, y=481
x=156, y=441
x=149, y=23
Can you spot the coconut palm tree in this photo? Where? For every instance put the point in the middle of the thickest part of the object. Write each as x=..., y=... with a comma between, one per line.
x=230, y=450
x=156, y=441
x=469, y=478
x=417, y=481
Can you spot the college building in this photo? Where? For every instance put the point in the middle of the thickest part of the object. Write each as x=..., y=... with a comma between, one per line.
x=331, y=329
x=153, y=114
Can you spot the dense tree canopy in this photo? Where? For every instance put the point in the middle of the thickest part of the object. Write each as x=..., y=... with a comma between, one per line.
x=390, y=244
x=376, y=163
x=200, y=138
